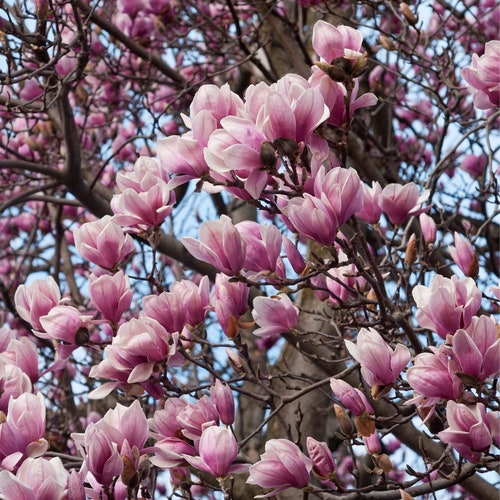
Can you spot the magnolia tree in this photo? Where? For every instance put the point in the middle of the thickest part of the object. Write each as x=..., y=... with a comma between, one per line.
x=249, y=249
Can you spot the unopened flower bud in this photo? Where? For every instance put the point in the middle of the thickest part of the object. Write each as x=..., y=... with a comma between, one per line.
x=343, y=419
x=384, y=462
x=386, y=42
x=411, y=251
x=222, y=397
x=373, y=444
x=409, y=15
x=428, y=227
x=235, y=361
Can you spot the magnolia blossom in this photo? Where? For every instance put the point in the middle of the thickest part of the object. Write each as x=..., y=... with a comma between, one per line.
x=447, y=305
x=428, y=227
x=335, y=93
x=482, y=76
x=472, y=430
x=464, y=256
x=217, y=451
x=274, y=315
x=183, y=155
x=146, y=199
x=22, y=432
x=36, y=300
x=371, y=210
x=323, y=462
x=171, y=446
x=263, y=246
x=38, y=478
x=197, y=416
x=131, y=358
x=66, y=324
x=399, y=202
x=13, y=382
x=476, y=350
x=351, y=397
x=230, y=302
x=281, y=466
x=23, y=354
x=380, y=365
x=103, y=242
x=331, y=42
x=433, y=377
x=116, y=438
x=223, y=398
x=185, y=304
x=111, y=295
x=337, y=196
x=220, y=244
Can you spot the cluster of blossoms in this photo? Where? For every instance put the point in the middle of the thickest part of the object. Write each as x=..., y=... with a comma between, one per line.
x=264, y=148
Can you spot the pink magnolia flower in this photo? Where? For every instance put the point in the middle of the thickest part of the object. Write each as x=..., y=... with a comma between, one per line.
x=312, y=218
x=37, y=478
x=447, y=305
x=380, y=365
x=22, y=432
x=474, y=164
x=344, y=282
x=36, y=300
x=222, y=396
x=290, y=108
x=230, y=302
x=340, y=189
x=220, y=244
x=185, y=304
x=322, y=459
x=171, y=447
x=164, y=422
x=331, y=42
x=13, y=383
x=371, y=210
x=281, y=466
x=121, y=433
x=103, y=242
x=337, y=196
x=111, y=295
x=217, y=451
x=147, y=198
x=428, y=227
x=102, y=457
x=433, y=377
x=183, y=155
x=351, y=397
x=263, y=246
x=197, y=416
x=482, y=76
x=399, y=202
x=22, y=353
x=274, y=315
x=373, y=444
x=139, y=345
x=65, y=323
x=335, y=93
x=472, y=430
x=464, y=256
x=476, y=350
